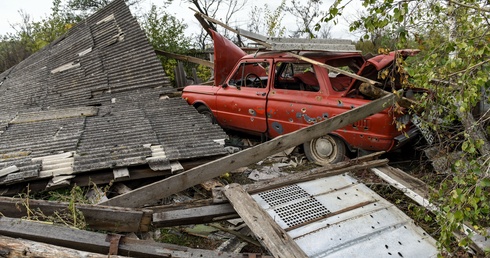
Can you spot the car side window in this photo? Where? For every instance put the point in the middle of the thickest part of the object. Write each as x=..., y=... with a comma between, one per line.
x=296, y=76
x=251, y=74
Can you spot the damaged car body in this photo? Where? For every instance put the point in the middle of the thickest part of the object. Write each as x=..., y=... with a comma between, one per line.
x=274, y=93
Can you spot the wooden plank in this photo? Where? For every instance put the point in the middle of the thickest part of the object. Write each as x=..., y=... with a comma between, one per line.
x=334, y=69
x=153, y=192
x=97, y=217
x=195, y=215
x=99, y=242
x=14, y=248
x=277, y=241
x=191, y=59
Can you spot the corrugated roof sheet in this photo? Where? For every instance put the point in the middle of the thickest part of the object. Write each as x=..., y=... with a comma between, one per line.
x=107, y=63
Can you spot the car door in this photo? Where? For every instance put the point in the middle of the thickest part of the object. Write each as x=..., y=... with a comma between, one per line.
x=241, y=103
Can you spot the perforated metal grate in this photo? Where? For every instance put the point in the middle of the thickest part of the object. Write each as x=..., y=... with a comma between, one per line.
x=294, y=212
x=301, y=212
x=283, y=195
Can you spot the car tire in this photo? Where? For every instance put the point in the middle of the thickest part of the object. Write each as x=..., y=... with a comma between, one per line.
x=206, y=112
x=325, y=150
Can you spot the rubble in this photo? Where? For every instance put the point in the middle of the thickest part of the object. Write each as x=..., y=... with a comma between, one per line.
x=128, y=127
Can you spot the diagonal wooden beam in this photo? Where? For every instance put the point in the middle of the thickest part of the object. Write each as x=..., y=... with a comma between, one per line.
x=185, y=58
x=155, y=191
x=334, y=69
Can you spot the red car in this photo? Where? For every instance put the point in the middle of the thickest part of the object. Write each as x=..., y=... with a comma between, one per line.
x=272, y=93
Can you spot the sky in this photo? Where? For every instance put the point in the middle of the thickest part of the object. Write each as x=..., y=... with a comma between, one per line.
x=37, y=9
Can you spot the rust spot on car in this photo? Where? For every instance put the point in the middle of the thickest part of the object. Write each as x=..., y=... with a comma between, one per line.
x=319, y=98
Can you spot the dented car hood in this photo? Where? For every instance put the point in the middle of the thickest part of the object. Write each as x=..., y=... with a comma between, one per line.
x=226, y=55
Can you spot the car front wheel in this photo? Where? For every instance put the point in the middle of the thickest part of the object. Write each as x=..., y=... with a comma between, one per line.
x=327, y=149
x=206, y=112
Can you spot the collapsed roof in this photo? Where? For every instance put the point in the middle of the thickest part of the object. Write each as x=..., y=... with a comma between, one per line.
x=94, y=99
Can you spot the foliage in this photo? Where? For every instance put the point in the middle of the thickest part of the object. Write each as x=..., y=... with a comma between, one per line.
x=31, y=36
x=166, y=33
x=266, y=21
x=307, y=16
x=454, y=39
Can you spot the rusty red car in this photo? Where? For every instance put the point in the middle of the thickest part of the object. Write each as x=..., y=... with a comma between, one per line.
x=273, y=93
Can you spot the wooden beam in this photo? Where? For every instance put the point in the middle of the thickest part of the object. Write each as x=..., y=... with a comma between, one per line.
x=97, y=217
x=100, y=243
x=194, y=215
x=14, y=248
x=153, y=192
x=186, y=58
x=267, y=231
x=334, y=69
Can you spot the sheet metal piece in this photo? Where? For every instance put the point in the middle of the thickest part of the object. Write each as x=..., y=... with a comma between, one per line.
x=339, y=217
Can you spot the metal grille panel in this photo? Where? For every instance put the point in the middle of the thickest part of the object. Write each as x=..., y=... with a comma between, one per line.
x=301, y=212
x=283, y=195
x=294, y=205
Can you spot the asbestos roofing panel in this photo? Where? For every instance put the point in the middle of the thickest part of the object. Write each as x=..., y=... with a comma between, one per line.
x=104, y=62
x=339, y=217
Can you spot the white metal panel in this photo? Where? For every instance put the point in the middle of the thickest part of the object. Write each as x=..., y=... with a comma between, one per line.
x=338, y=217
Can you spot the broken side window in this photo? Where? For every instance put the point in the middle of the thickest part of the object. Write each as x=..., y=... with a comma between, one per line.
x=251, y=74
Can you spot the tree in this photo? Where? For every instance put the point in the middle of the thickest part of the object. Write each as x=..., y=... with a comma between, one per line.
x=306, y=17
x=211, y=8
x=165, y=32
x=454, y=64
x=266, y=21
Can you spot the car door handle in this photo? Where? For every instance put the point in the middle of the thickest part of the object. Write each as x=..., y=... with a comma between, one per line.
x=260, y=93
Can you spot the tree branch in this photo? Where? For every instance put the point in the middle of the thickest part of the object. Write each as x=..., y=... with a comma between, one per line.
x=479, y=8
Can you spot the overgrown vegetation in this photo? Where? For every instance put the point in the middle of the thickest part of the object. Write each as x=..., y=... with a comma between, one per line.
x=454, y=39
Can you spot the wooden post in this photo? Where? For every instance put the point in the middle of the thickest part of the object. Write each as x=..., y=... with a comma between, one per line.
x=153, y=192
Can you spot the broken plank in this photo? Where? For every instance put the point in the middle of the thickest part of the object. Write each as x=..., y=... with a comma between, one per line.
x=277, y=241
x=191, y=59
x=192, y=215
x=99, y=242
x=14, y=248
x=174, y=184
x=418, y=191
x=97, y=217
